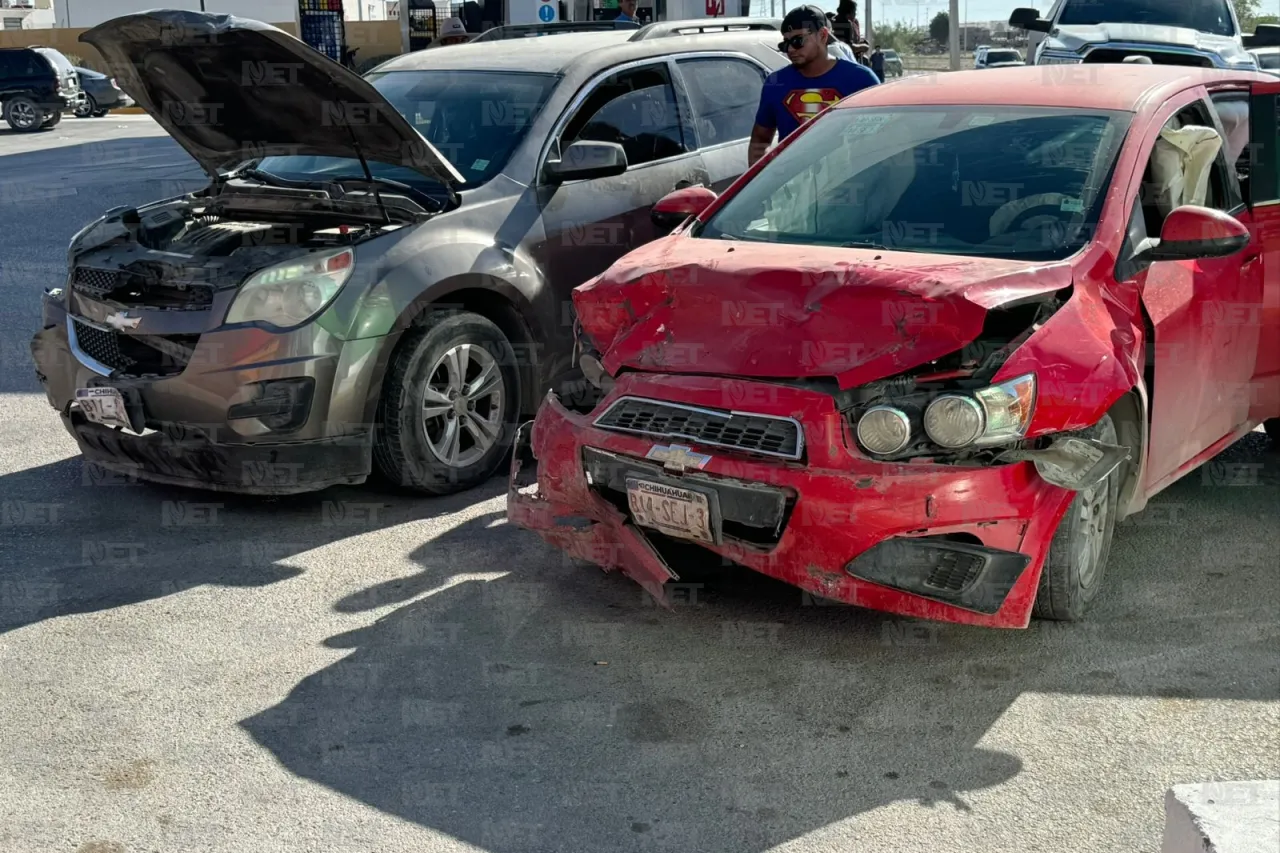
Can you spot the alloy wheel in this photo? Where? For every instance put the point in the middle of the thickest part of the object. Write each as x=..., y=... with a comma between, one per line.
x=1094, y=507
x=462, y=407
x=23, y=115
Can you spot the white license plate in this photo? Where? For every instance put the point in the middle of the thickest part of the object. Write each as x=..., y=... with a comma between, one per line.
x=103, y=406
x=677, y=512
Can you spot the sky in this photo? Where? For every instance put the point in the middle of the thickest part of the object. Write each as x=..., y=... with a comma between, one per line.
x=975, y=11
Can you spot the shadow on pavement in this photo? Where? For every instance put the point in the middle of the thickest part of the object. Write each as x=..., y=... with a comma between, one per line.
x=522, y=703
x=76, y=539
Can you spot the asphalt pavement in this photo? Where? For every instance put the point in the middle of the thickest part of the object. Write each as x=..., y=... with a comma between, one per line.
x=361, y=671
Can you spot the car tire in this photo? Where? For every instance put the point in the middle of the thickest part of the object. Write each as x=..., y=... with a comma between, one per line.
x=87, y=109
x=52, y=121
x=100, y=113
x=426, y=377
x=23, y=115
x=1076, y=564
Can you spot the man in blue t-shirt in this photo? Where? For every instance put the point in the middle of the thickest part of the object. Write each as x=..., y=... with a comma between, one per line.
x=794, y=95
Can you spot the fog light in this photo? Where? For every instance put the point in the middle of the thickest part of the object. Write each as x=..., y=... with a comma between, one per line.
x=280, y=404
x=954, y=421
x=884, y=430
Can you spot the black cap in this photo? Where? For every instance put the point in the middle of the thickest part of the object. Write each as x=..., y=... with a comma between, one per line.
x=805, y=18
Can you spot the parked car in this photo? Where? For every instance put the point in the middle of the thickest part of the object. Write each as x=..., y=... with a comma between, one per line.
x=892, y=64
x=101, y=94
x=979, y=53
x=939, y=400
x=1268, y=59
x=1199, y=33
x=34, y=88
x=1000, y=58
x=379, y=270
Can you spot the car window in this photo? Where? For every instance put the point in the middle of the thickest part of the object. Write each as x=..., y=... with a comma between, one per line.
x=59, y=62
x=1207, y=16
x=1002, y=182
x=724, y=94
x=1186, y=165
x=635, y=108
x=1002, y=56
x=22, y=63
x=1269, y=61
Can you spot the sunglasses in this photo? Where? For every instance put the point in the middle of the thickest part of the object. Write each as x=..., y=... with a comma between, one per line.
x=793, y=43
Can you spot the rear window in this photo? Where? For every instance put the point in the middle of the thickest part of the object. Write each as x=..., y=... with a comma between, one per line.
x=1003, y=56
x=56, y=59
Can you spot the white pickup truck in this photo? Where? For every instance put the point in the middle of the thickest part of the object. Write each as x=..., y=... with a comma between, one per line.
x=1203, y=33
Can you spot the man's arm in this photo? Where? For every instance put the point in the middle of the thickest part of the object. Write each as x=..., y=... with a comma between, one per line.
x=761, y=136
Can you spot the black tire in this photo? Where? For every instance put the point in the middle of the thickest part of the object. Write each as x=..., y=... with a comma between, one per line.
x=1076, y=565
x=100, y=113
x=88, y=109
x=52, y=121
x=23, y=115
x=1272, y=427
x=403, y=447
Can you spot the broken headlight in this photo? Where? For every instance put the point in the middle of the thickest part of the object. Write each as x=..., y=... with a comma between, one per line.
x=291, y=293
x=993, y=415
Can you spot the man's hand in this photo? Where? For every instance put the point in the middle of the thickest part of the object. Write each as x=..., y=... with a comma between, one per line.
x=761, y=136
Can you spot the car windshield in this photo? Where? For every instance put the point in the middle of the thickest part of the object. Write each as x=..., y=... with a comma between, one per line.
x=1003, y=56
x=891, y=54
x=993, y=181
x=475, y=119
x=1207, y=16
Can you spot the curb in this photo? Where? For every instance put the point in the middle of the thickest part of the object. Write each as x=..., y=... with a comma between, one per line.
x=129, y=111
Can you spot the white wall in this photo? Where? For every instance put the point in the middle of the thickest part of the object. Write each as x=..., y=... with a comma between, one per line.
x=90, y=13
x=365, y=10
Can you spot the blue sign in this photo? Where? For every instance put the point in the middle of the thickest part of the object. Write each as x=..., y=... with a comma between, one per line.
x=546, y=13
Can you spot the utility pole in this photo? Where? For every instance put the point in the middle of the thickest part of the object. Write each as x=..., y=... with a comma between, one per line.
x=954, y=35
x=867, y=36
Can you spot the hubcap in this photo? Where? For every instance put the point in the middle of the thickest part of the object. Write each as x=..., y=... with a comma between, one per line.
x=23, y=115
x=1094, y=506
x=462, y=406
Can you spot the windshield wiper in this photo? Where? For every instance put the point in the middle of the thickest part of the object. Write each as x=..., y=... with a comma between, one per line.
x=857, y=245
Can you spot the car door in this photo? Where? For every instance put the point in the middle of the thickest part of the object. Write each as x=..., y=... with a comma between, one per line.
x=1201, y=360
x=723, y=94
x=1264, y=204
x=588, y=225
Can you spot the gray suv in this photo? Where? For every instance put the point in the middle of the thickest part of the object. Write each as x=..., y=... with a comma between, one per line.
x=377, y=276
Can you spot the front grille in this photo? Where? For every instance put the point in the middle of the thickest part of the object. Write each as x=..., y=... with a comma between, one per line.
x=135, y=355
x=1157, y=57
x=762, y=434
x=954, y=571
x=146, y=285
x=94, y=282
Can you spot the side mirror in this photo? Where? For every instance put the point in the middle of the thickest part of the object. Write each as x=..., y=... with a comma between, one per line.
x=585, y=160
x=675, y=207
x=1192, y=232
x=1264, y=35
x=1029, y=19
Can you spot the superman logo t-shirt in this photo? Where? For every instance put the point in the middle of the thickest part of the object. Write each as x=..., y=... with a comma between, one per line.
x=790, y=99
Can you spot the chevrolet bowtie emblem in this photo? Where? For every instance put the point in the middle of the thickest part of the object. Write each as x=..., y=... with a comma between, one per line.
x=122, y=321
x=677, y=457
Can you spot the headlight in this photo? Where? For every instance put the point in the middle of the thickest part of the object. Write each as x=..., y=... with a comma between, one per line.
x=991, y=416
x=884, y=430
x=291, y=293
x=954, y=421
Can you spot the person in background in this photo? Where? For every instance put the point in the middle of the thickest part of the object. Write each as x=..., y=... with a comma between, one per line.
x=793, y=95
x=627, y=11
x=452, y=32
x=877, y=63
x=846, y=28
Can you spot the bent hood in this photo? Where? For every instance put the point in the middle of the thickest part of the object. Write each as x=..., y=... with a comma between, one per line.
x=686, y=305
x=1074, y=37
x=231, y=89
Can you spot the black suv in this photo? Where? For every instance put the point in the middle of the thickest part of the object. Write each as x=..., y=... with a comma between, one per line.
x=37, y=84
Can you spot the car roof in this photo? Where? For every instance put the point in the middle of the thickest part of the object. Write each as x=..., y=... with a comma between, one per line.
x=1102, y=86
x=554, y=54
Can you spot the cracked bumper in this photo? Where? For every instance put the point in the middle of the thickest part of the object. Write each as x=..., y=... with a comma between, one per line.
x=847, y=518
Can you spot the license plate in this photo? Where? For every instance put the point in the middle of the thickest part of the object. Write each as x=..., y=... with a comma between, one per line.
x=677, y=512
x=104, y=406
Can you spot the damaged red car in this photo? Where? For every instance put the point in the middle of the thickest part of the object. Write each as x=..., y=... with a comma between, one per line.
x=927, y=353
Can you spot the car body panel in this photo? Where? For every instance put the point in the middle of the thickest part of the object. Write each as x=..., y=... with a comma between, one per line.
x=103, y=89
x=717, y=326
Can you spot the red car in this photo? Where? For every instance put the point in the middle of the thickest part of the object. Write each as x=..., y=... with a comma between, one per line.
x=927, y=353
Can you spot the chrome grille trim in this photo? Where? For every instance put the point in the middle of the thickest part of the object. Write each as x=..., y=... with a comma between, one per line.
x=617, y=409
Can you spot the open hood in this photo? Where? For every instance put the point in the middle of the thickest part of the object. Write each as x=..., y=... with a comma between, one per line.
x=231, y=89
x=684, y=305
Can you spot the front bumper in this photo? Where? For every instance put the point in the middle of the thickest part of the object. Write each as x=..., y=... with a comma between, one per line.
x=855, y=531
x=184, y=434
